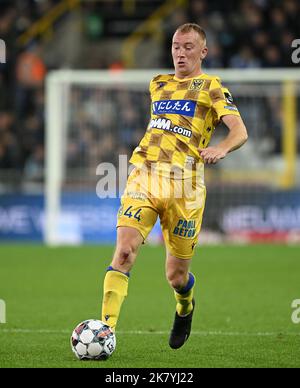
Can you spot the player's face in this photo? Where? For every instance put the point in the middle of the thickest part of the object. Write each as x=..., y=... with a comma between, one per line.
x=188, y=51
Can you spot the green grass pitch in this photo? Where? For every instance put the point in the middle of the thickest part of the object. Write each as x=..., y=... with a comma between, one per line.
x=242, y=317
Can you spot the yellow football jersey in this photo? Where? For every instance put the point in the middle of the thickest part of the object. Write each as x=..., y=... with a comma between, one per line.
x=184, y=114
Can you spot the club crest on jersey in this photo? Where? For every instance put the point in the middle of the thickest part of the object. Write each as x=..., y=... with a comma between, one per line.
x=196, y=84
x=179, y=107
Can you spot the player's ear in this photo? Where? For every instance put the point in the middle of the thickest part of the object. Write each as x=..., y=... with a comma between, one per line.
x=203, y=53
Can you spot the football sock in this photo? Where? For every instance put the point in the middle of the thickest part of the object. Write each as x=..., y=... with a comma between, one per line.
x=184, y=297
x=114, y=293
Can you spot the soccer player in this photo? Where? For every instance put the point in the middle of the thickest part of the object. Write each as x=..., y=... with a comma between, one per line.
x=186, y=108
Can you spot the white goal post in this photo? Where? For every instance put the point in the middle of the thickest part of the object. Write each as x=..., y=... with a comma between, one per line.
x=58, y=86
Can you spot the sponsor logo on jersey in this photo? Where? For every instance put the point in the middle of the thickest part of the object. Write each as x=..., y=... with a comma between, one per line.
x=137, y=195
x=178, y=107
x=167, y=125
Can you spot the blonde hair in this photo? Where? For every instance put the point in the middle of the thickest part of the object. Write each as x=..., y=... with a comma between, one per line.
x=188, y=27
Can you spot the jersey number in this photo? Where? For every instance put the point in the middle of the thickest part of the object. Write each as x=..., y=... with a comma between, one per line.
x=128, y=213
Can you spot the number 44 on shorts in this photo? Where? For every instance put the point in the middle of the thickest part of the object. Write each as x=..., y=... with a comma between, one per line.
x=128, y=213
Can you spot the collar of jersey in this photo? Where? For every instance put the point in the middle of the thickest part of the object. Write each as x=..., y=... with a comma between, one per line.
x=189, y=79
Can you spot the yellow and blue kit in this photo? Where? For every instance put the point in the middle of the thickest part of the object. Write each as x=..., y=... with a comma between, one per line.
x=168, y=179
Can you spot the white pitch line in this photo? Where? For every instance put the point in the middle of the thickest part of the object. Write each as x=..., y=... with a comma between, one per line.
x=214, y=333
x=143, y=332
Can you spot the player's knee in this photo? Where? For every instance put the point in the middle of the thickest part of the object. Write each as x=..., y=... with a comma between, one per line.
x=176, y=279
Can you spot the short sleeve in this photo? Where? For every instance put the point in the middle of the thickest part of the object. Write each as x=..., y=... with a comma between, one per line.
x=222, y=100
x=151, y=85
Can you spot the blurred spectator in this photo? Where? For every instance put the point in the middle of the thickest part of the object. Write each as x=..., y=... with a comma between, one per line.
x=244, y=59
x=30, y=75
x=32, y=134
x=9, y=146
x=34, y=166
x=286, y=47
x=215, y=57
x=292, y=11
x=30, y=68
x=240, y=34
x=260, y=41
x=272, y=57
x=277, y=24
x=9, y=156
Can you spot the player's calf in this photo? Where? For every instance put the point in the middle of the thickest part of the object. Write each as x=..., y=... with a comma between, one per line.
x=117, y=275
x=114, y=292
x=177, y=272
x=124, y=258
x=129, y=241
x=184, y=292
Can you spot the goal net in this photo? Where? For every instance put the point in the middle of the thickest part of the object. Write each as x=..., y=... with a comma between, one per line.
x=96, y=118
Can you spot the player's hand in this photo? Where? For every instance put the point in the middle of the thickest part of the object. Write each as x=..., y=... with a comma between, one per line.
x=211, y=155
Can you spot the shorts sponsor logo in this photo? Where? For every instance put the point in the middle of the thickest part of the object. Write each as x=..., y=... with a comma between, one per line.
x=180, y=107
x=185, y=228
x=167, y=125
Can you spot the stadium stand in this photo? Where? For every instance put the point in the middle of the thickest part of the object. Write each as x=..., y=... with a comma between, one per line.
x=250, y=33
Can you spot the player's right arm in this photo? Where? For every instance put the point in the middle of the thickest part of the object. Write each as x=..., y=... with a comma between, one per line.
x=236, y=137
x=225, y=111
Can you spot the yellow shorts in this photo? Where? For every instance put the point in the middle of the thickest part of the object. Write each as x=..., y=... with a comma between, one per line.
x=178, y=203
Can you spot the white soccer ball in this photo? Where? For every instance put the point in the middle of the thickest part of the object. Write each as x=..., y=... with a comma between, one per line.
x=93, y=340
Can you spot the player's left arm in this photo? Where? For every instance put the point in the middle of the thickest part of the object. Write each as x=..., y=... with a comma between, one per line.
x=237, y=136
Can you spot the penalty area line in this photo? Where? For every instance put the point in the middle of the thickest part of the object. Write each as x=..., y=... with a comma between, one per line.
x=149, y=332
